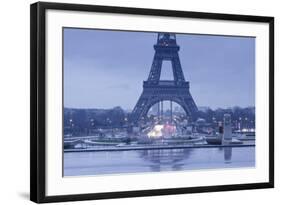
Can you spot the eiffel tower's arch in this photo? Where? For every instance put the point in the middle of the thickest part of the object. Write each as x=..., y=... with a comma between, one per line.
x=155, y=90
x=157, y=100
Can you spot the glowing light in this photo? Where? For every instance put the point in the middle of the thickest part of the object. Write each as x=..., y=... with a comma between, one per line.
x=156, y=132
x=169, y=129
x=248, y=130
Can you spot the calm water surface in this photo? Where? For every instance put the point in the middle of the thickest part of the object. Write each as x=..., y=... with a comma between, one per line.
x=115, y=162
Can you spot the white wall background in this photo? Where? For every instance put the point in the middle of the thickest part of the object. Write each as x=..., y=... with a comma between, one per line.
x=14, y=103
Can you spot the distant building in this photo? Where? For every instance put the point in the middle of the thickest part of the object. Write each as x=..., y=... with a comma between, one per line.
x=203, y=108
x=202, y=126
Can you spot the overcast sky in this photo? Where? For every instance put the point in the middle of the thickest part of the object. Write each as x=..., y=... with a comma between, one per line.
x=104, y=69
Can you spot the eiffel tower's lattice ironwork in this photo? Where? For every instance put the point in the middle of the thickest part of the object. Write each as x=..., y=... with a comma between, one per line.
x=156, y=90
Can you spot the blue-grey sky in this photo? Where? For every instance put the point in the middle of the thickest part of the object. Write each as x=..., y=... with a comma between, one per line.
x=104, y=69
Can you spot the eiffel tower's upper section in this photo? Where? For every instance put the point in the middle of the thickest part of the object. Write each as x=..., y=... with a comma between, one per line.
x=166, y=49
x=166, y=41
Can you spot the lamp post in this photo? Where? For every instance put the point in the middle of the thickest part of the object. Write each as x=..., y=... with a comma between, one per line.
x=109, y=125
x=92, y=124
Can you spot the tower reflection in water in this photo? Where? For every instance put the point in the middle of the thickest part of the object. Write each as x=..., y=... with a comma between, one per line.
x=180, y=159
x=227, y=154
x=166, y=158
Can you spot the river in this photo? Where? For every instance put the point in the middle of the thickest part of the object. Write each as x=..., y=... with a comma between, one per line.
x=136, y=161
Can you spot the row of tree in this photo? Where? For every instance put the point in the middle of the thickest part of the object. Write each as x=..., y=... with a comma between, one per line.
x=81, y=121
x=237, y=114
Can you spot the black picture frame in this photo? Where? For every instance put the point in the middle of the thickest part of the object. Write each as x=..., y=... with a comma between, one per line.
x=38, y=100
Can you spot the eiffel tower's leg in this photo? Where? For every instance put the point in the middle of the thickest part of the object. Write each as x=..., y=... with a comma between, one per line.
x=158, y=106
x=155, y=72
x=161, y=110
x=171, y=111
x=177, y=70
x=139, y=108
x=191, y=106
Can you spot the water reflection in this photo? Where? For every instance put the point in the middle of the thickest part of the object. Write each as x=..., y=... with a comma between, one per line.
x=117, y=162
x=165, y=157
x=176, y=159
x=227, y=154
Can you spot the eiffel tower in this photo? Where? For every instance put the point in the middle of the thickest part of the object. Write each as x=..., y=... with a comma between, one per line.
x=156, y=90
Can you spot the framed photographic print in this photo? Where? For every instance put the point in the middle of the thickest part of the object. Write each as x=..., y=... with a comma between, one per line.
x=129, y=102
